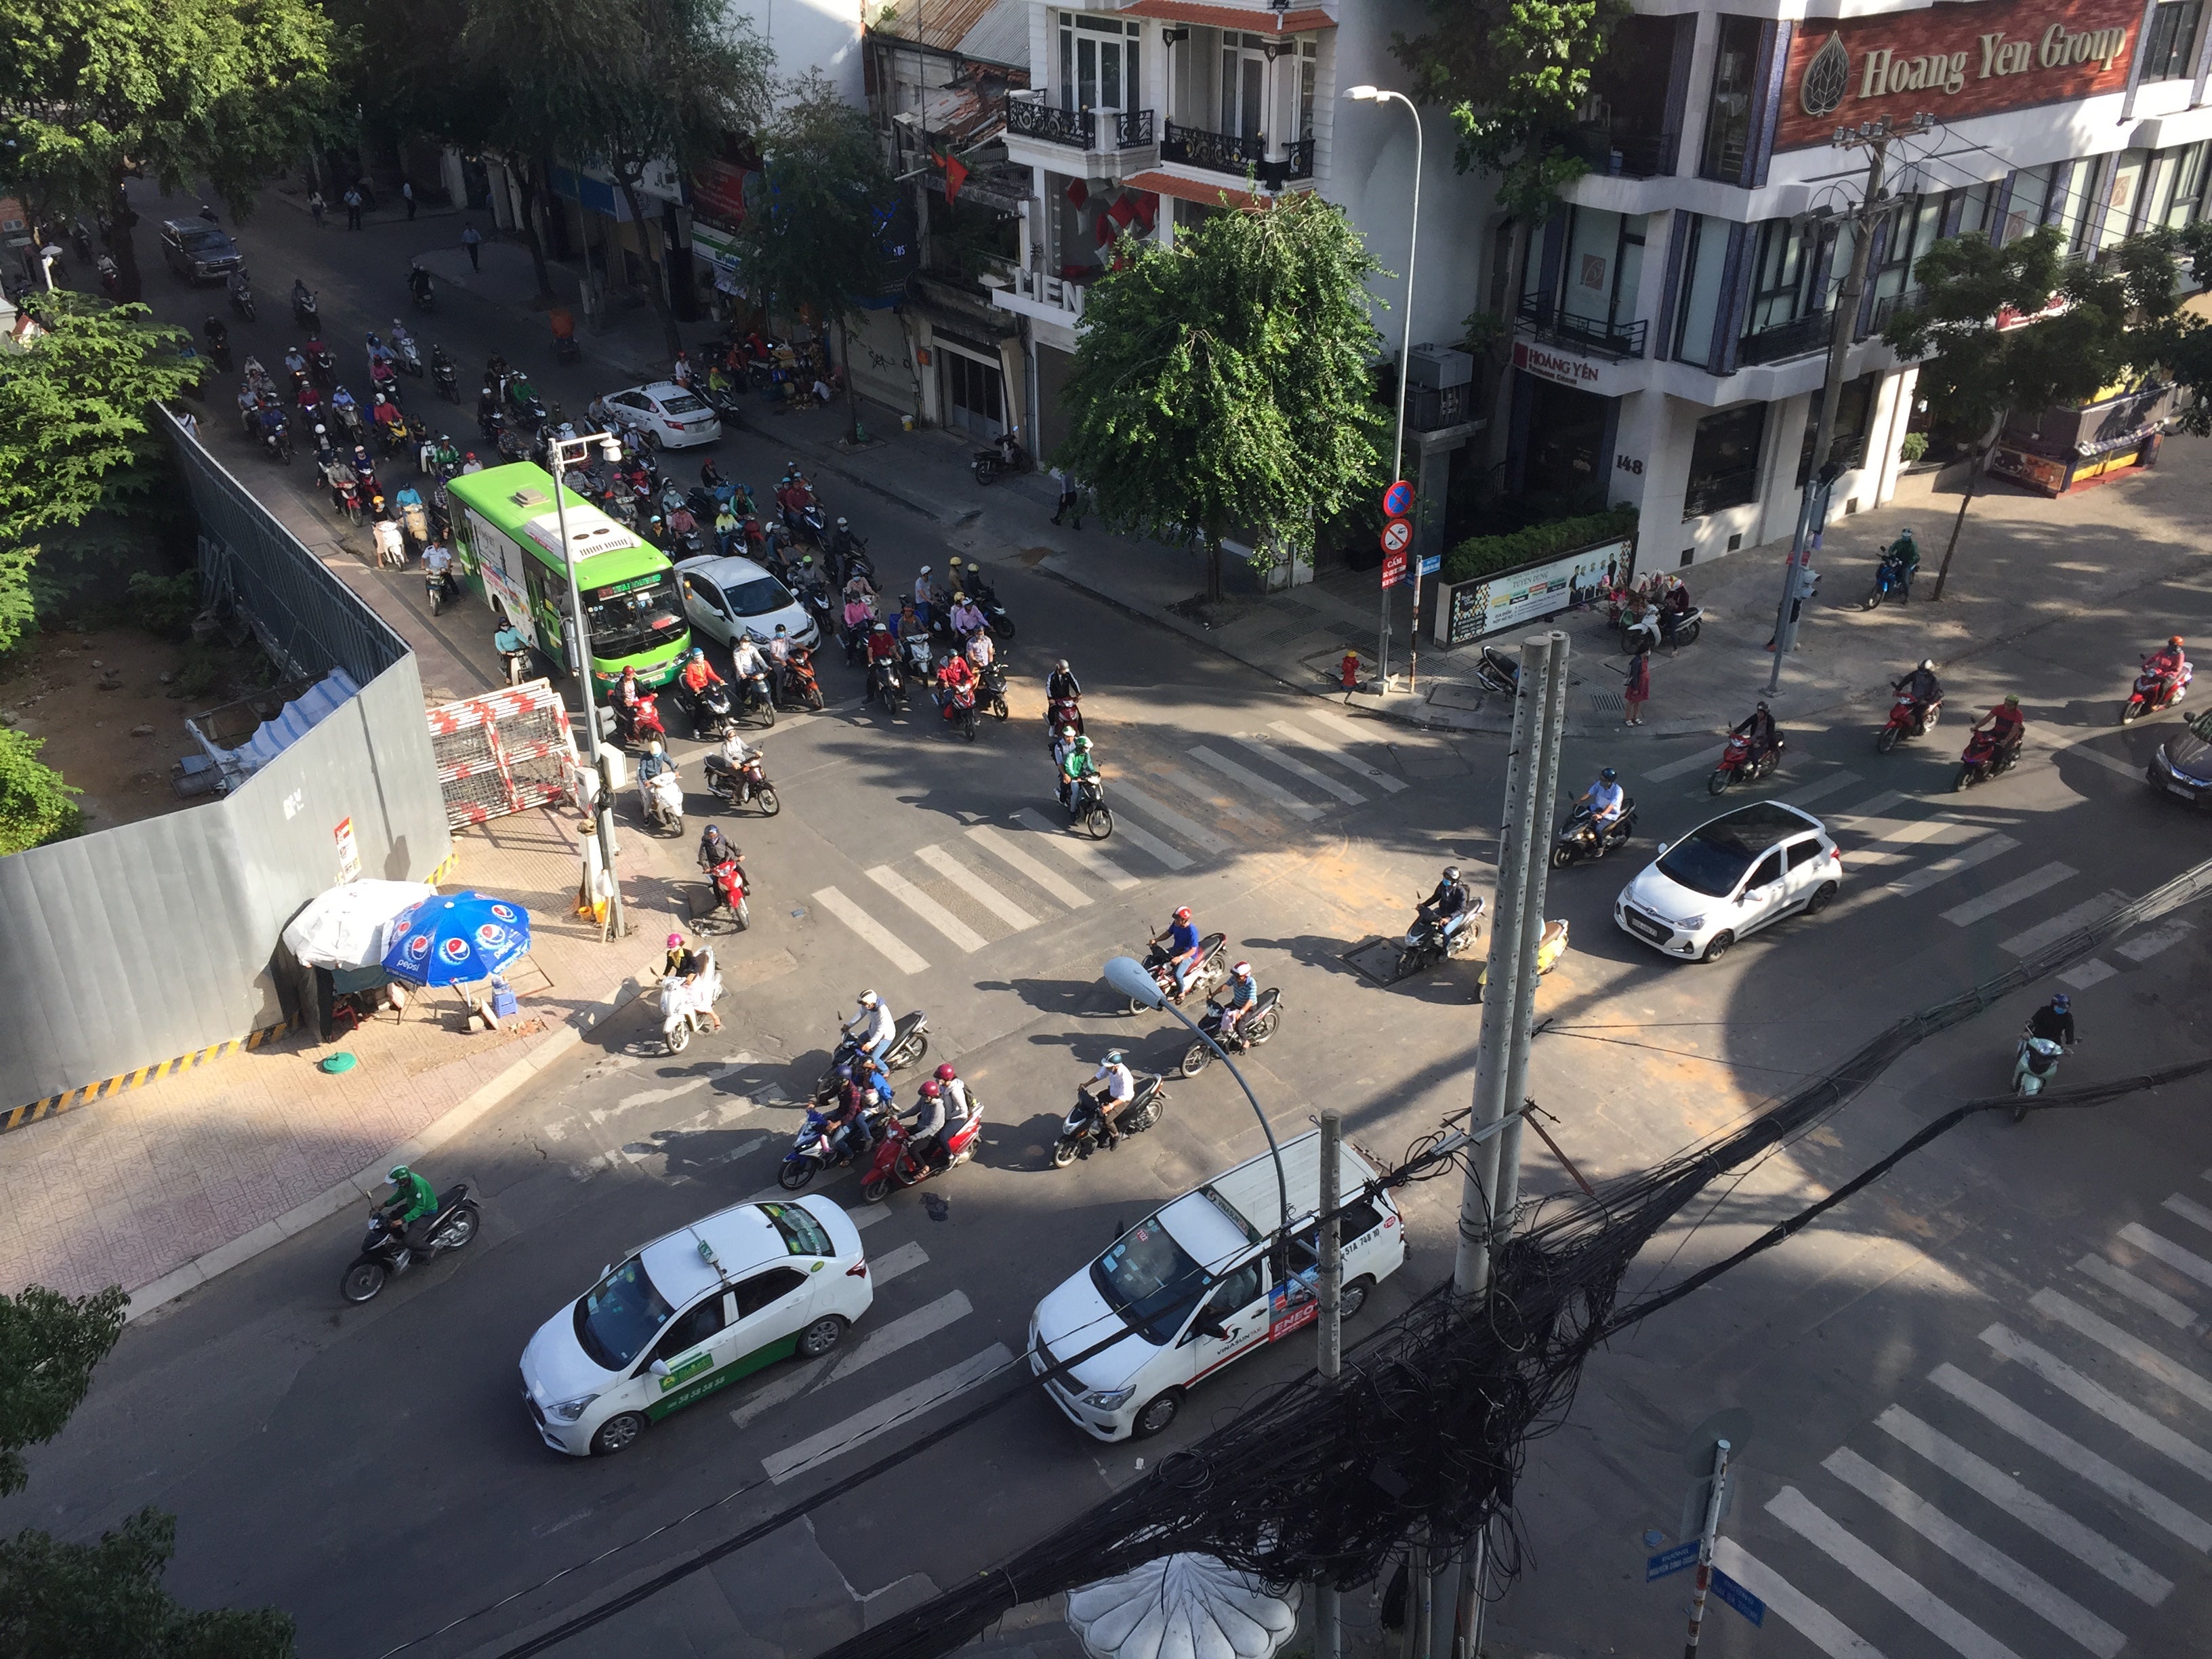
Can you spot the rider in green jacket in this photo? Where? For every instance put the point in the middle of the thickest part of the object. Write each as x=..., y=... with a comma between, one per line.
x=412, y=1199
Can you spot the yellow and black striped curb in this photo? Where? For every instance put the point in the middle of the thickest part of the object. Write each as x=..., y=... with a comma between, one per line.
x=54, y=1105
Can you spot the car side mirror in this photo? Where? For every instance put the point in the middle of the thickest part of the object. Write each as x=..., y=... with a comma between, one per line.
x=659, y=1368
x=1208, y=1325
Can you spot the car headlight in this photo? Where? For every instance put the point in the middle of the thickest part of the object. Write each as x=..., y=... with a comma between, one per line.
x=569, y=1410
x=1109, y=1400
x=1690, y=924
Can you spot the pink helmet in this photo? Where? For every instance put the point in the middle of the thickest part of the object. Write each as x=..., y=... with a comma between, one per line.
x=931, y=1089
x=945, y=1073
x=675, y=939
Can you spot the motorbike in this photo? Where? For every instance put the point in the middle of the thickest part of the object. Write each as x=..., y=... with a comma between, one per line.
x=661, y=799
x=991, y=691
x=322, y=367
x=918, y=656
x=1498, y=671
x=742, y=786
x=1737, y=765
x=730, y=885
x=392, y=436
x=996, y=620
x=386, y=1253
x=1427, y=942
x=438, y=585
x=425, y=293
x=218, y=345
x=1551, y=945
x=639, y=724
x=756, y=697
x=2154, y=691
x=896, y=1164
x=1087, y=807
x=797, y=688
x=683, y=1011
x=1210, y=974
x=444, y=377
x=345, y=497
x=714, y=715
x=815, y=1148
x=909, y=1046
x=958, y=710
x=408, y=356
x=815, y=596
x=1985, y=760
x=2033, y=1067
x=1063, y=713
x=1890, y=582
x=1580, y=841
x=516, y=665
x=806, y=523
x=1085, y=1129
x=1649, y=631
x=304, y=310
x=887, y=685
x=991, y=465
x=523, y=400
x=1908, y=718
x=276, y=443
x=241, y=298
x=1255, y=1028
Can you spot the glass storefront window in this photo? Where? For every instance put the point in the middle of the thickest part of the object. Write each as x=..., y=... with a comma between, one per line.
x=1724, y=461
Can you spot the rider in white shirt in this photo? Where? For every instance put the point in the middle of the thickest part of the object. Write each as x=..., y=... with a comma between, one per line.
x=1604, y=796
x=1120, y=1088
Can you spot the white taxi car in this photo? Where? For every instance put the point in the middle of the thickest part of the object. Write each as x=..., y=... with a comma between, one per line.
x=728, y=597
x=1192, y=1287
x=663, y=413
x=691, y=1313
x=1730, y=877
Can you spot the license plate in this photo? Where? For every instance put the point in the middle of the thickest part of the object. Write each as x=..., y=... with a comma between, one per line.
x=2176, y=789
x=1650, y=929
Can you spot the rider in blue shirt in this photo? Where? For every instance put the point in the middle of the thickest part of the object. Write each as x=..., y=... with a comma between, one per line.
x=1182, y=940
x=1244, y=992
x=1604, y=796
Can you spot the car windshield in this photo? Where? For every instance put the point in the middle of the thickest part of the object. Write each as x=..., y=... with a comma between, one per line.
x=1704, y=866
x=759, y=597
x=1150, y=1281
x=685, y=405
x=802, y=1234
x=631, y=618
x=619, y=1316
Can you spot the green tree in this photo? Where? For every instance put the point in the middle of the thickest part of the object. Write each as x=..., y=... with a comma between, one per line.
x=94, y=91
x=814, y=240
x=35, y=807
x=1225, y=383
x=58, y=1601
x=2182, y=342
x=1988, y=364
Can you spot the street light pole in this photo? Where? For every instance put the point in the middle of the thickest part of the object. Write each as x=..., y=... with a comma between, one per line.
x=562, y=451
x=1369, y=95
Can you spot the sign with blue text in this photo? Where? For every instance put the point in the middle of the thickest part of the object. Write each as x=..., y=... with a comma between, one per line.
x=1738, y=1598
x=1668, y=1563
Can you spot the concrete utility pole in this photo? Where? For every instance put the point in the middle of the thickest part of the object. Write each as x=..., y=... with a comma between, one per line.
x=1329, y=1610
x=1876, y=136
x=1714, y=1505
x=579, y=648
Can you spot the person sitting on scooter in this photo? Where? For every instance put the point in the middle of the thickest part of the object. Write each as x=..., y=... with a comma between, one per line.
x=2054, y=1021
x=929, y=1138
x=438, y=564
x=980, y=649
x=747, y=665
x=2005, y=723
x=1921, y=684
x=1759, y=727
x=301, y=298
x=715, y=848
x=1110, y=1101
x=1074, y=769
x=1244, y=992
x=412, y=1204
x=956, y=1103
x=1183, y=945
x=2170, y=663
x=418, y=284
x=967, y=616
x=1905, y=553
x=508, y=639
x=1604, y=798
x=623, y=701
x=691, y=686
x=954, y=676
x=1447, y=906
x=653, y=764
x=883, y=648
x=1061, y=685
x=1672, y=610
x=909, y=622
x=873, y=1026
x=848, y=1126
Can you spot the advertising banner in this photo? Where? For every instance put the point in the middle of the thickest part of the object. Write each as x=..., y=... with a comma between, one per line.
x=1470, y=609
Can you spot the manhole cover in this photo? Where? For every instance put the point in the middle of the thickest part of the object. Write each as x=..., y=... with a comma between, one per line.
x=1450, y=694
x=1377, y=960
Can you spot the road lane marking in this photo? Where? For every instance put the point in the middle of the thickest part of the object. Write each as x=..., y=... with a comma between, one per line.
x=2057, y=928
x=894, y=949
x=2190, y=1210
x=1993, y=1564
x=1820, y=790
x=1299, y=769
x=2171, y=1310
x=789, y=1386
x=1338, y=754
x=903, y=1331
x=893, y=1264
x=1081, y=851
x=1674, y=769
x=963, y=936
x=2128, y=770
x=886, y=1415
x=2153, y=1363
x=866, y=1216
x=1138, y=836
x=1012, y=856
x=1265, y=789
x=2091, y=1549
x=2070, y=1453
x=1873, y=805
x=2153, y=1244
x=2130, y=1419
x=1927, y=875
x=1197, y=834
x=2144, y=947
x=2001, y=898
x=1891, y=845
x=1906, y=1593
x=1813, y=1621
x=975, y=887
x=2095, y=971
x=1198, y=789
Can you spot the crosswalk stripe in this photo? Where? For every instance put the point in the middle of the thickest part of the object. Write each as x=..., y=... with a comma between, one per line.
x=2127, y=769
x=2183, y=1380
x=1266, y=788
x=2071, y=1454
x=1197, y=834
x=895, y=950
x=886, y=1415
x=2171, y=1310
x=2181, y=1261
x=961, y=935
x=1812, y=1621
x=1198, y=789
x=1974, y=853
x=1906, y=1593
x=2188, y=1210
x=903, y=1331
x=1674, y=769
x=1347, y=731
x=2095, y=971
x=2045, y=1519
x=1299, y=769
x=1076, y=850
x=777, y=1389
x=2130, y=1419
x=2051, y=930
x=1991, y=1563
x=864, y=1218
x=1873, y=805
x=1007, y=854
x=893, y=1263
x=1349, y=762
x=2144, y=947
x=1822, y=789
x=975, y=887
x=2000, y=898
x=1893, y=844
x=1137, y=836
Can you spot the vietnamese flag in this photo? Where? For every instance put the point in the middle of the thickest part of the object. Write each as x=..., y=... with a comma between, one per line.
x=955, y=176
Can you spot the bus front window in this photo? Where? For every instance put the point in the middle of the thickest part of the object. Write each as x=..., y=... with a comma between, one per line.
x=634, y=620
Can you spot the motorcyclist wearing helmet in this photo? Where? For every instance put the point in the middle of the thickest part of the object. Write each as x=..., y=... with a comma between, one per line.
x=1110, y=1102
x=1061, y=685
x=1759, y=727
x=1448, y=905
x=848, y=1126
x=1074, y=769
x=1181, y=938
x=654, y=764
x=955, y=675
x=1063, y=745
x=412, y=1204
x=1603, y=797
x=2054, y=1021
x=2169, y=663
x=1244, y=992
x=750, y=668
x=883, y=651
x=873, y=1027
x=698, y=674
x=929, y=1125
x=957, y=1102
x=2005, y=723
x=1921, y=684
x=715, y=848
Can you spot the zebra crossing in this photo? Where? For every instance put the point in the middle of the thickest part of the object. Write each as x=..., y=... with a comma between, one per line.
x=1005, y=877
x=2043, y=1503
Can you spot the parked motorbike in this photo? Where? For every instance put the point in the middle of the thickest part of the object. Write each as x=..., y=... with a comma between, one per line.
x=1652, y=633
x=661, y=799
x=1908, y=718
x=1498, y=671
x=1551, y=945
x=1085, y=1129
x=1985, y=759
x=909, y=1044
x=897, y=1164
x=2155, y=692
x=1427, y=943
x=1208, y=978
x=386, y=1253
x=742, y=786
x=1737, y=765
x=815, y=1148
x=1257, y=1025
x=991, y=465
x=1890, y=582
x=1581, y=841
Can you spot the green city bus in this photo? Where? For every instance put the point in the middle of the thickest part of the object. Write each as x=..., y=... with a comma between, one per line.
x=507, y=538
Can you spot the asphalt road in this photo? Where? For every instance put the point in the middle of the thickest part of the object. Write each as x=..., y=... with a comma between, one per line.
x=373, y=1470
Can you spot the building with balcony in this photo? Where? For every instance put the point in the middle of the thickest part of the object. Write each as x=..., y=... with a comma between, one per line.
x=1674, y=316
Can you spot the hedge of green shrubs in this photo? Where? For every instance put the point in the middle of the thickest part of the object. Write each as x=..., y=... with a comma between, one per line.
x=1486, y=555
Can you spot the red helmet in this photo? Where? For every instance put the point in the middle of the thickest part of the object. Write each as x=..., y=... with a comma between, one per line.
x=945, y=1073
x=1182, y=913
x=931, y=1089
x=2175, y=642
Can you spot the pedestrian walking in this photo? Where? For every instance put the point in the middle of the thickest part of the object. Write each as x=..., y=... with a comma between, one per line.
x=1637, y=686
x=1066, y=480
x=407, y=195
x=473, y=239
x=189, y=421
x=317, y=206
x=353, y=207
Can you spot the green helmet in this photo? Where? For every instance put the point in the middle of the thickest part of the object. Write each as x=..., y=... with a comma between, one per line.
x=400, y=1174
x=1083, y=746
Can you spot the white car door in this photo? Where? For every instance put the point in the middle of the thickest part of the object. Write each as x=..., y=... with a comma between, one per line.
x=1805, y=866
x=1230, y=1324
x=1760, y=899
x=702, y=603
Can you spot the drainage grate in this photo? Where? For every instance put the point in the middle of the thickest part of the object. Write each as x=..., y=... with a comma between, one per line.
x=1608, y=702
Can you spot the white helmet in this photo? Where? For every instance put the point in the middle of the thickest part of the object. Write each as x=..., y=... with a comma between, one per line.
x=653, y=748
x=1242, y=970
x=869, y=999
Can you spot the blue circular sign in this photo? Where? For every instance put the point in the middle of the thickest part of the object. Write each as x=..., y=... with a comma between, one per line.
x=1398, y=500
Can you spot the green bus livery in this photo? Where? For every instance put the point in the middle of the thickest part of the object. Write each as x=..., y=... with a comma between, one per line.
x=509, y=537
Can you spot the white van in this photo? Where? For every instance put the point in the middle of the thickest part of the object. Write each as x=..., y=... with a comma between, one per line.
x=1191, y=1288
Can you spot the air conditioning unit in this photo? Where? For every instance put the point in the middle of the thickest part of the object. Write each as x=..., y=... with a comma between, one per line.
x=1438, y=366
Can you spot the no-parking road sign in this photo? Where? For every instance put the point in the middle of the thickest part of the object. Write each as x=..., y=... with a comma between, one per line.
x=1398, y=500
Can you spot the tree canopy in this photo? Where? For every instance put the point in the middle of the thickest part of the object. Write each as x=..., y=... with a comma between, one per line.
x=1226, y=383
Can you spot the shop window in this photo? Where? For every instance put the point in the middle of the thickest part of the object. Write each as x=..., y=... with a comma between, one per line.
x=2124, y=202
x=2167, y=43
x=2030, y=194
x=1724, y=461
x=972, y=394
x=1854, y=420
x=1728, y=116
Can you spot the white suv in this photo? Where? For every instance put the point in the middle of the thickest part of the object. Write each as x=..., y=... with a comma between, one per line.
x=1730, y=877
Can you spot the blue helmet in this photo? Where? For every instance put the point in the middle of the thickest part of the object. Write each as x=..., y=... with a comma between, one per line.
x=844, y=1073
x=2060, y=1002
x=1608, y=776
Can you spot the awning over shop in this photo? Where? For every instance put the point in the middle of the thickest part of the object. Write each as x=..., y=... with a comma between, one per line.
x=1250, y=19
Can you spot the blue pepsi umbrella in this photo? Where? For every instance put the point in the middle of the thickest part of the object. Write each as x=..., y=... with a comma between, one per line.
x=455, y=939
